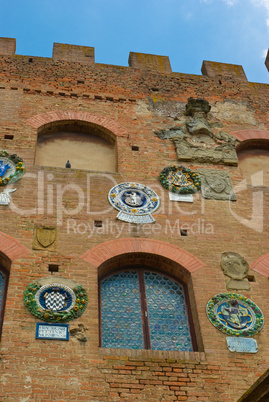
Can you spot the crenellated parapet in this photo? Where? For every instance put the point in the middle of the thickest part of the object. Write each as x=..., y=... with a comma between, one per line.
x=85, y=55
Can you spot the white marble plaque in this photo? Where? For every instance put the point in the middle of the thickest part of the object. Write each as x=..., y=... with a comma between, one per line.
x=52, y=331
x=147, y=218
x=180, y=197
x=242, y=345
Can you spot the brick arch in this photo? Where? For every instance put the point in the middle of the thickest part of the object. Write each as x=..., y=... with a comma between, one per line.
x=261, y=265
x=40, y=120
x=246, y=135
x=12, y=248
x=105, y=251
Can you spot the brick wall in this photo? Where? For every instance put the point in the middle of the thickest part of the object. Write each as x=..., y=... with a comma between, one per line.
x=129, y=103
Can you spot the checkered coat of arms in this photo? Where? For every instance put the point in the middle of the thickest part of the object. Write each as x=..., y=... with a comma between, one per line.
x=55, y=300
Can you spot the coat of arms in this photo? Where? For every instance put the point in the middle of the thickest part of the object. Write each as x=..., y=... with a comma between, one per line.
x=135, y=202
x=234, y=314
x=180, y=180
x=11, y=168
x=55, y=302
x=45, y=238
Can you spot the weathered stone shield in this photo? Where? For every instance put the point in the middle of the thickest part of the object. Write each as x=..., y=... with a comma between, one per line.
x=45, y=236
x=217, y=183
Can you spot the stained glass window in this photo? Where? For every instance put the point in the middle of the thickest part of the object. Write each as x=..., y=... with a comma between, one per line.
x=141, y=309
x=2, y=286
x=3, y=289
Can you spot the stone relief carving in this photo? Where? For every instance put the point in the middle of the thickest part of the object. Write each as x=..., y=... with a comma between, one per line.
x=235, y=267
x=45, y=238
x=79, y=333
x=198, y=139
x=216, y=185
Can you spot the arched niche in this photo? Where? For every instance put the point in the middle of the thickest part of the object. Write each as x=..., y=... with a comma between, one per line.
x=85, y=145
x=253, y=158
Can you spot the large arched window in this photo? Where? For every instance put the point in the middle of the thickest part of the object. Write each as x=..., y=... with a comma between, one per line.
x=144, y=309
x=4, y=275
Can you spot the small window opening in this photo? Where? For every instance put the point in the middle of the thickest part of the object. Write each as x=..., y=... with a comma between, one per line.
x=53, y=268
x=98, y=224
x=251, y=278
x=80, y=81
x=155, y=89
x=8, y=137
x=109, y=98
x=98, y=97
x=183, y=232
x=135, y=148
x=30, y=60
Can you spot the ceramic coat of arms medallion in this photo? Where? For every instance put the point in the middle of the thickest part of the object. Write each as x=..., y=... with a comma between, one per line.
x=11, y=168
x=45, y=238
x=235, y=314
x=180, y=180
x=56, y=301
x=135, y=202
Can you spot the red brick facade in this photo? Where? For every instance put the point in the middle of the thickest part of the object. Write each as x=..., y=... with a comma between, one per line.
x=128, y=105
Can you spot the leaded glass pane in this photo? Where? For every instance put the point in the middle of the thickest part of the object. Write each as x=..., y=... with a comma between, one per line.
x=168, y=321
x=2, y=285
x=121, y=312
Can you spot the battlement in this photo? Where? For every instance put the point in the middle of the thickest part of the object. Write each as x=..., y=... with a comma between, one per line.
x=73, y=53
x=141, y=61
x=7, y=46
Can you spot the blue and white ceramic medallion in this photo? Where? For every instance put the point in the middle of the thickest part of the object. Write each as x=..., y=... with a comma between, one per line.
x=55, y=297
x=135, y=202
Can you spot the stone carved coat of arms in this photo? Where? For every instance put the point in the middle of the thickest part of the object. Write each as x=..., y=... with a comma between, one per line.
x=45, y=238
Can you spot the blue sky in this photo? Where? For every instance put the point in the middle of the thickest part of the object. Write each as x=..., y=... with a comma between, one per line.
x=188, y=31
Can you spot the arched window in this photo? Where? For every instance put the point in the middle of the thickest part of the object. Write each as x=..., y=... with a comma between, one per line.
x=85, y=145
x=4, y=276
x=144, y=309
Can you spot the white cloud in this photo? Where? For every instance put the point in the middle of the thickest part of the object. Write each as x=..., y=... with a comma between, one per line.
x=230, y=2
x=258, y=3
x=265, y=4
x=264, y=54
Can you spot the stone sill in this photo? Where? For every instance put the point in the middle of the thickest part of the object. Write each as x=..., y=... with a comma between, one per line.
x=153, y=354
